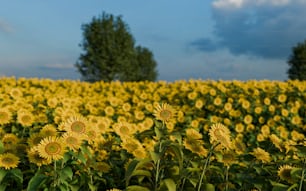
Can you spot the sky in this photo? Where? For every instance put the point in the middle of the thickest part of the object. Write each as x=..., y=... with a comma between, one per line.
x=196, y=39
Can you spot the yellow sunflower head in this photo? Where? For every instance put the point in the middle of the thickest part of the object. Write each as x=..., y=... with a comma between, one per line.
x=52, y=148
x=76, y=124
x=195, y=146
x=25, y=118
x=8, y=161
x=220, y=134
x=35, y=158
x=48, y=130
x=284, y=173
x=5, y=116
x=164, y=112
x=261, y=155
x=72, y=140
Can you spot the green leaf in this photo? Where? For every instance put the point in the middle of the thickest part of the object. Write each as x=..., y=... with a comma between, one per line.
x=1, y=147
x=209, y=187
x=158, y=133
x=278, y=186
x=155, y=156
x=141, y=173
x=17, y=174
x=137, y=188
x=177, y=151
x=142, y=163
x=66, y=173
x=35, y=182
x=3, y=187
x=2, y=174
x=170, y=184
x=130, y=169
x=92, y=187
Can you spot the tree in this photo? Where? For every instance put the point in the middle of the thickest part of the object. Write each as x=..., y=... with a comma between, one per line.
x=297, y=62
x=110, y=54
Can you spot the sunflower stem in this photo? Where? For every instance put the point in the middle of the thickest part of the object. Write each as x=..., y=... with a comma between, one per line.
x=55, y=176
x=303, y=175
x=205, y=166
x=226, y=178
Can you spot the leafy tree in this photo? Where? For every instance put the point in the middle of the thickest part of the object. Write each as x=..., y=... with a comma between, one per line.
x=109, y=53
x=297, y=62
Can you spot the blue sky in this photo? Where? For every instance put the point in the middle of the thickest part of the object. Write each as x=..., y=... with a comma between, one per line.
x=198, y=39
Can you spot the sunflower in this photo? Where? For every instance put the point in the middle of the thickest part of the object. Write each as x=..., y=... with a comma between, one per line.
x=76, y=124
x=164, y=112
x=5, y=116
x=72, y=140
x=220, y=134
x=277, y=142
x=48, y=130
x=193, y=134
x=109, y=111
x=195, y=146
x=52, y=148
x=227, y=106
x=284, y=173
x=239, y=128
x=217, y=101
x=228, y=158
x=124, y=130
x=131, y=145
x=282, y=98
x=10, y=141
x=35, y=158
x=16, y=93
x=102, y=167
x=25, y=118
x=199, y=104
x=261, y=155
x=248, y=119
x=8, y=161
x=35, y=139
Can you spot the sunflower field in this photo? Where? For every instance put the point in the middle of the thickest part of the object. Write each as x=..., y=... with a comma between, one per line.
x=152, y=136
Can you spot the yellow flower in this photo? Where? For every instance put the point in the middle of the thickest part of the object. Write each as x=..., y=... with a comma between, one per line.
x=220, y=134
x=258, y=110
x=261, y=155
x=282, y=98
x=277, y=142
x=164, y=112
x=5, y=116
x=193, y=134
x=16, y=93
x=267, y=101
x=227, y=106
x=284, y=173
x=195, y=146
x=9, y=160
x=52, y=148
x=109, y=111
x=228, y=158
x=199, y=104
x=72, y=140
x=124, y=129
x=35, y=158
x=48, y=130
x=76, y=124
x=248, y=119
x=25, y=118
x=239, y=128
x=217, y=101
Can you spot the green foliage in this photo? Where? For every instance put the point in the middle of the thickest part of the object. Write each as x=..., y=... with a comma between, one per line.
x=297, y=62
x=110, y=54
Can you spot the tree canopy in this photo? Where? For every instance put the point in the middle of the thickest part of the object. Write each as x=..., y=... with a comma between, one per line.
x=109, y=53
x=297, y=62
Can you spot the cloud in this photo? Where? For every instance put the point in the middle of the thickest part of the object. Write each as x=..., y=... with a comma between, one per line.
x=204, y=44
x=5, y=27
x=263, y=28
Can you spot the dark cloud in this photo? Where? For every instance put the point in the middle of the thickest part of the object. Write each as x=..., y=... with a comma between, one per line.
x=204, y=44
x=266, y=29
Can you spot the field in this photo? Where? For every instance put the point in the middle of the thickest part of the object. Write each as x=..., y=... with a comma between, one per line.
x=184, y=135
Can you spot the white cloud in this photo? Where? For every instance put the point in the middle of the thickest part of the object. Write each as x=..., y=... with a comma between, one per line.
x=228, y=3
